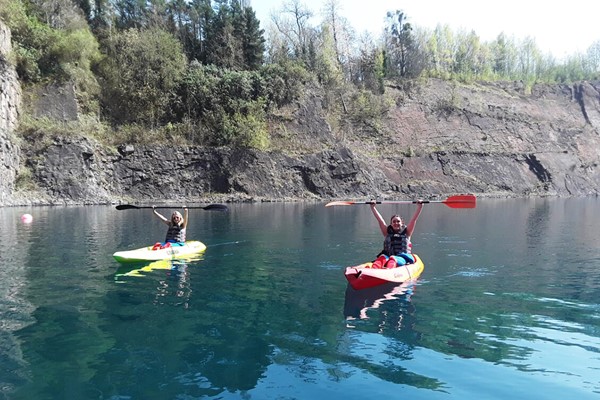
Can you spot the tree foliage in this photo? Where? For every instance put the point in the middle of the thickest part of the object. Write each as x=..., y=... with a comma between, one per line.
x=54, y=45
x=140, y=74
x=229, y=107
x=205, y=67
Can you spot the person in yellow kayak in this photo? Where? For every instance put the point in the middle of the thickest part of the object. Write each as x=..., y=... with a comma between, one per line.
x=176, y=231
x=396, y=246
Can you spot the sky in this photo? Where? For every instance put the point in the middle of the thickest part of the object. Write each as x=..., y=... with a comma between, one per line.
x=560, y=30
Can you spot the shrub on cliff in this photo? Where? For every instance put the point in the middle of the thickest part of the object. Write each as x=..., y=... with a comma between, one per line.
x=140, y=73
x=61, y=49
x=228, y=107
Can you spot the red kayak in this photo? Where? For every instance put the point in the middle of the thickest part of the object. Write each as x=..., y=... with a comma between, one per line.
x=363, y=276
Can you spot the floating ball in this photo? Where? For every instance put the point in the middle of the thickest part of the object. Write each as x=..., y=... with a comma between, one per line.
x=26, y=218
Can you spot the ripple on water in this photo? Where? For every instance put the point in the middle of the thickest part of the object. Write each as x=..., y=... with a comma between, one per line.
x=474, y=272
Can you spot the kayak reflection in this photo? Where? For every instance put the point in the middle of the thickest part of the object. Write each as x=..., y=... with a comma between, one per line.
x=143, y=269
x=358, y=302
x=170, y=279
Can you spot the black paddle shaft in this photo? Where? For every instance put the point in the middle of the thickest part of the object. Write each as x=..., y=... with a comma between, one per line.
x=214, y=207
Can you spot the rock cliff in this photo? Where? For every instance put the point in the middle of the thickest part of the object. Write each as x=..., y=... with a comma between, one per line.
x=494, y=139
x=10, y=99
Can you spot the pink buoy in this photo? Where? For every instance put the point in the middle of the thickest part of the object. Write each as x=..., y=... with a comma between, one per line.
x=26, y=218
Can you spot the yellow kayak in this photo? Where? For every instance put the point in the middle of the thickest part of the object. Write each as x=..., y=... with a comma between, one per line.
x=147, y=254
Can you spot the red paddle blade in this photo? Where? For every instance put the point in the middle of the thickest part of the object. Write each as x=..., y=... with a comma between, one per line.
x=461, y=201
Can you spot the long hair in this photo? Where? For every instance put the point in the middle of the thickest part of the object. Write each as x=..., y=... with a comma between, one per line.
x=178, y=214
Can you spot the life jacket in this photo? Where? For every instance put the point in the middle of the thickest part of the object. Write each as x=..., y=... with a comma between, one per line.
x=175, y=233
x=396, y=243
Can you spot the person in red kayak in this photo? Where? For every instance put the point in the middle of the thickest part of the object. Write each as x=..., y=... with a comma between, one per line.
x=396, y=246
x=176, y=231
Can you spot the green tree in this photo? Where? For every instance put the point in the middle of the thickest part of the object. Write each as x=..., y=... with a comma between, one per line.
x=227, y=107
x=528, y=58
x=403, y=58
x=444, y=51
x=130, y=13
x=574, y=67
x=253, y=41
x=471, y=57
x=100, y=15
x=343, y=35
x=222, y=46
x=284, y=82
x=593, y=60
x=85, y=7
x=369, y=70
x=504, y=54
x=32, y=42
x=195, y=35
x=140, y=75
x=326, y=64
x=234, y=39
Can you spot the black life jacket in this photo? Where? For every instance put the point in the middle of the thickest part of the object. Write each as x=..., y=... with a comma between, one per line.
x=176, y=233
x=396, y=242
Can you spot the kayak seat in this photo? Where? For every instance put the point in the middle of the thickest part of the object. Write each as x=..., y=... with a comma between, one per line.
x=408, y=258
x=159, y=245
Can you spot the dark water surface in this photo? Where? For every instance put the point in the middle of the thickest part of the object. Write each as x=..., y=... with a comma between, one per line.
x=508, y=305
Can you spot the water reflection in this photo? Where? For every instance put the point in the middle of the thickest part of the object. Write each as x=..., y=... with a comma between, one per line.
x=358, y=302
x=174, y=279
x=267, y=313
x=384, y=335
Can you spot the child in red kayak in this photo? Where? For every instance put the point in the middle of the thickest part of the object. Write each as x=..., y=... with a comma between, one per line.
x=396, y=246
x=176, y=231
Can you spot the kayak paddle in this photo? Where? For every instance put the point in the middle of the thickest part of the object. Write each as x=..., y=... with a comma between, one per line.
x=458, y=201
x=215, y=207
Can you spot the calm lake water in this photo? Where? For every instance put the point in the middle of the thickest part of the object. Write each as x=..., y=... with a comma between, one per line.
x=508, y=305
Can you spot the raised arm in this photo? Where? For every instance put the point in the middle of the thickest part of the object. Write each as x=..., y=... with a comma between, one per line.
x=160, y=216
x=413, y=221
x=185, y=217
x=380, y=220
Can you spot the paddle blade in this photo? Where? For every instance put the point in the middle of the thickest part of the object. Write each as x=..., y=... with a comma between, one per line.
x=127, y=207
x=461, y=201
x=340, y=203
x=216, y=207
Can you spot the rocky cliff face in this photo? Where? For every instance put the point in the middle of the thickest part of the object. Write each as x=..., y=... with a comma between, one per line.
x=80, y=171
x=496, y=139
x=440, y=138
x=10, y=100
x=490, y=139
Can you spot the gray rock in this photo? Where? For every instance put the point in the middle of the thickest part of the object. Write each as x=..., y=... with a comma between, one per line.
x=492, y=139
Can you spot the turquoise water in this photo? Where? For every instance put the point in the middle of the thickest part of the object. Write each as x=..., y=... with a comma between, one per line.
x=507, y=306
